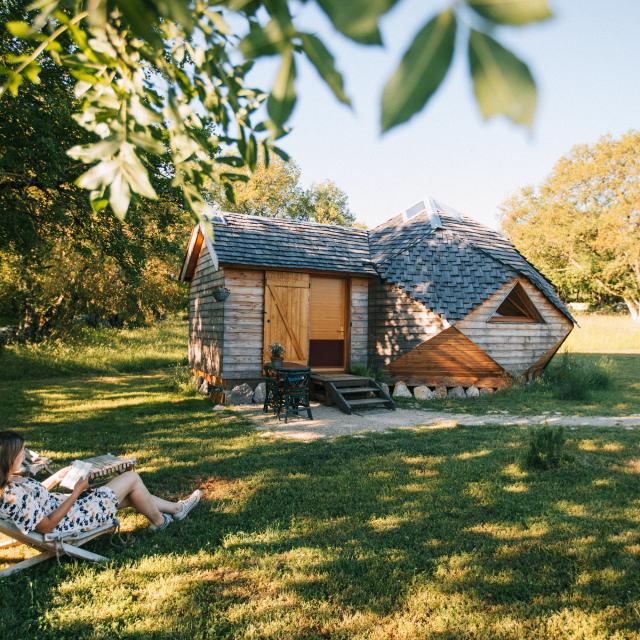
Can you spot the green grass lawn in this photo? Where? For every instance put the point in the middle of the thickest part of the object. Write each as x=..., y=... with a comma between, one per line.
x=602, y=333
x=98, y=351
x=437, y=533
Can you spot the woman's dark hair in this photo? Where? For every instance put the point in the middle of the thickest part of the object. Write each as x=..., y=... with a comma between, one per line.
x=10, y=445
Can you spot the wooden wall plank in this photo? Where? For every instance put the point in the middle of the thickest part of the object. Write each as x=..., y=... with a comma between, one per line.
x=397, y=323
x=448, y=355
x=516, y=346
x=243, y=324
x=359, y=321
x=206, y=316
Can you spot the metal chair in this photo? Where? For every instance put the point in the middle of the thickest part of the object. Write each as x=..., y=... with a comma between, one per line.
x=293, y=392
x=287, y=390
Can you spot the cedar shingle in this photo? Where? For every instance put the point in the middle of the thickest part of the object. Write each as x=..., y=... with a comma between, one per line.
x=452, y=268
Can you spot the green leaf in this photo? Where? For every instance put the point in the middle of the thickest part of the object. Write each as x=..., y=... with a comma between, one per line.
x=283, y=94
x=181, y=11
x=502, y=83
x=266, y=153
x=94, y=151
x=324, y=63
x=281, y=153
x=263, y=41
x=219, y=22
x=135, y=172
x=99, y=176
x=252, y=152
x=234, y=177
x=207, y=227
x=98, y=204
x=142, y=19
x=32, y=72
x=233, y=161
x=421, y=71
x=357, y=19
x=13, y=83
x=229, y=192
x=119, y=195
x=514, y=12
x=18, y=28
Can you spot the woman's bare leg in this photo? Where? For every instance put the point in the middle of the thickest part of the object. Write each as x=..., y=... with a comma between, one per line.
x=165, y=505
x=131, y=492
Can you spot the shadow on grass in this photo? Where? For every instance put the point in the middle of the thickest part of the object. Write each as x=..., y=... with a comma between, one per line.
x=418, y=531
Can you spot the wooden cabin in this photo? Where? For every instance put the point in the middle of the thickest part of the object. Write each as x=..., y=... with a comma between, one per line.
x=429, y=297
x=304, y=285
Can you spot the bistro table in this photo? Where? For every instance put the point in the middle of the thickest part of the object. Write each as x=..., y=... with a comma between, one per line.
x=287, y=389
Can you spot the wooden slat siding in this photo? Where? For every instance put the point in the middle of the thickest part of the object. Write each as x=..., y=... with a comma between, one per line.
x=359, y=313
x=516, y=346
x=397, y=323
x=206, y=316
x=542, y=362
x=448, y=358
x=243, y=322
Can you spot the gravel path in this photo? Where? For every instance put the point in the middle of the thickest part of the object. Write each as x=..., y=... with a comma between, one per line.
x=328, y=422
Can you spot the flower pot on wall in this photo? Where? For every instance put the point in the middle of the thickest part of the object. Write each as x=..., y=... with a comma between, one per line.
x=221, y=293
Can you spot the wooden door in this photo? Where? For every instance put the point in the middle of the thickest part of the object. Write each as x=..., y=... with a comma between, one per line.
x=286, y=320
x=328, y=322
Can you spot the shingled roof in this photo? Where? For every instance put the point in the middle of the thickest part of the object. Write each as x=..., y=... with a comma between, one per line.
x=439, y=257
x=292, y=244
x=448, y=261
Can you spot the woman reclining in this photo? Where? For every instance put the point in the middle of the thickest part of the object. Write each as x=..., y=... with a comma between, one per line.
x=31, y=507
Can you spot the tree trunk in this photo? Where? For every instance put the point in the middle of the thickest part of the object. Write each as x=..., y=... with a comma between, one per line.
x=634, y=308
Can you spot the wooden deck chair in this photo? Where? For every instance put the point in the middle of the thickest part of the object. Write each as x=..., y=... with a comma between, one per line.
x=52, y=544
x=57, y=544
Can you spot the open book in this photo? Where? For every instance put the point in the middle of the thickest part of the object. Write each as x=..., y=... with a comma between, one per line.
x=97, y=467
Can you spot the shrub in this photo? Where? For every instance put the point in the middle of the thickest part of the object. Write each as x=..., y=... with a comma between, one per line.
x=182, y=379
x=572, y=379
x=545, y=450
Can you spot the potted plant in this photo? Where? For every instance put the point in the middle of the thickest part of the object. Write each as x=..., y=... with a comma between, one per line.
x=221, y=293
x=277, y=353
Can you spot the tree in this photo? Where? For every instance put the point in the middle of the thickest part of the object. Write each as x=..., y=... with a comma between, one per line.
x=581, y=226
x=154, y=76
x=60, y=259
x=275, y=191
x=330, y=204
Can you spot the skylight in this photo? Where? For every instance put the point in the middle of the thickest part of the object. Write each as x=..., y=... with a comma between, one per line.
x=417, y=208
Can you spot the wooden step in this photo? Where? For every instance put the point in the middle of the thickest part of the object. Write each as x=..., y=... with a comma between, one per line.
x=339, y=388
x=348, y=390
x=367, y=401
x=353, y=381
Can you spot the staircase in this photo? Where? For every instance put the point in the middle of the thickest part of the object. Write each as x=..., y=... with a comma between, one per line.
x=349, y=393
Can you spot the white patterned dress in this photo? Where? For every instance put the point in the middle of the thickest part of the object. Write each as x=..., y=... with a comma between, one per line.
x=25, y=502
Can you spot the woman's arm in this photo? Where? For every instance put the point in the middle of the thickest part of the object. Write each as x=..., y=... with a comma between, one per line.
x=54, y=480
x=50, y=522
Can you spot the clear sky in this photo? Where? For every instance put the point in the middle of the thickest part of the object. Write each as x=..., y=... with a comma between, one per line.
x=587, y=65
